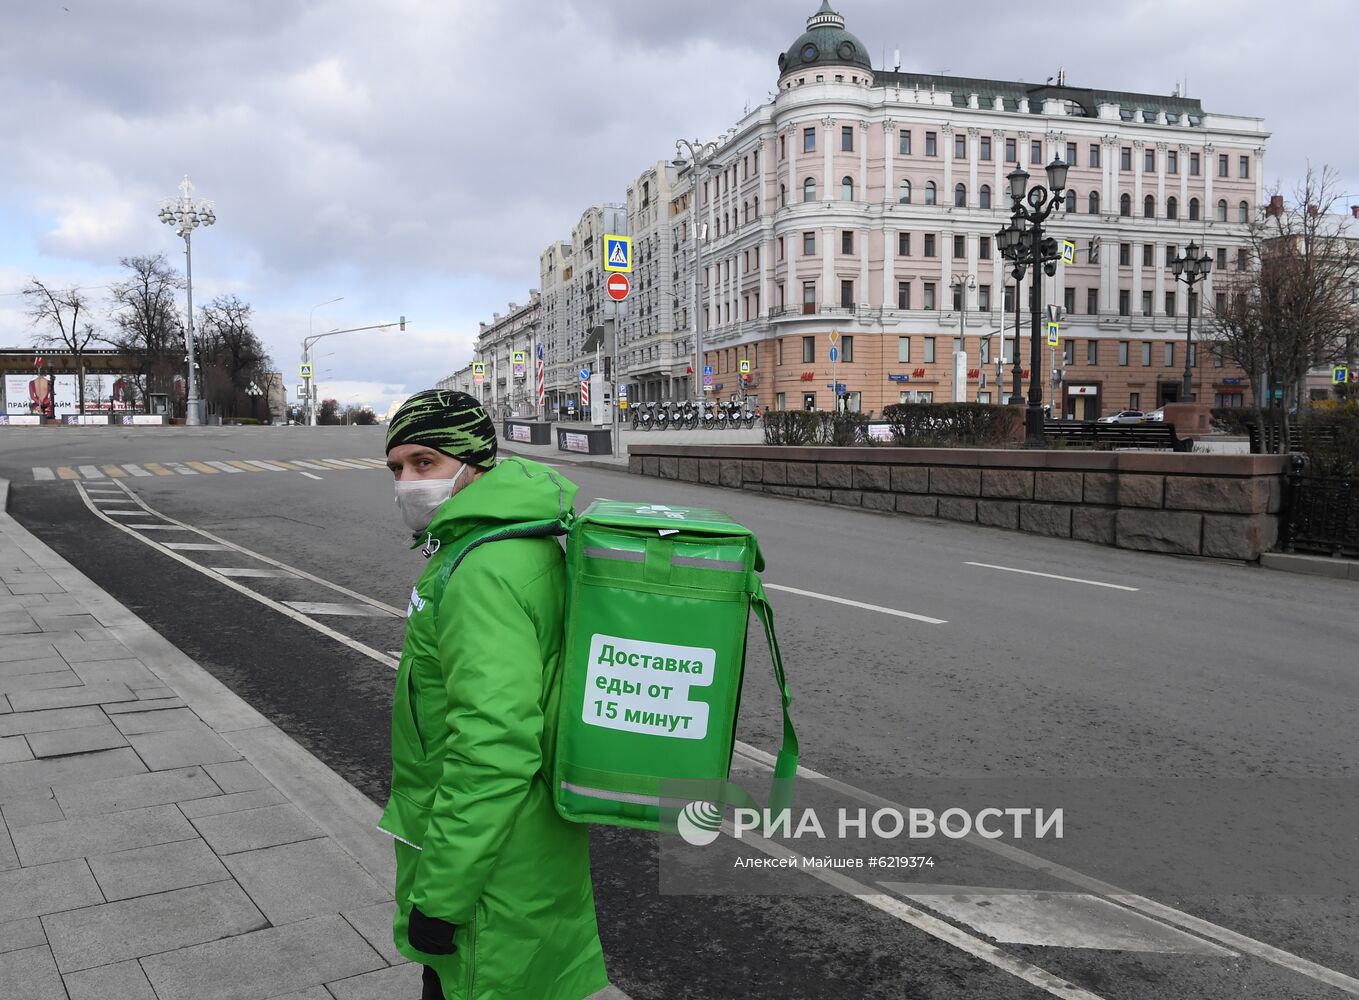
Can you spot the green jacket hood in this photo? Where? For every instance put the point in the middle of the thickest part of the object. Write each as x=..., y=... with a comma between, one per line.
x=515, y=491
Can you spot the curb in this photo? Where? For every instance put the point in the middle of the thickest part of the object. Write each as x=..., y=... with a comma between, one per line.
x=1324, y=566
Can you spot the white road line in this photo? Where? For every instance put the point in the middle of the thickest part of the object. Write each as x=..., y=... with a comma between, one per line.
x=151, y=527
x=857, y=604
x=121, y=513
x=195, y=547
x=179, y=467
x=41, y=473
x=310, y=465
x=263, y=465
x=224, y=467
x=309, y=475
x=90, y=472
x=250, y=571
x=110, y=498
x=348, y=464
x=1140, y=904
x=1052, y=576
x=135, y=470
x=346, y=610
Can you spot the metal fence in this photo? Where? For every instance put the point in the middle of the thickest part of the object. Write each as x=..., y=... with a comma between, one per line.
x=1322, y=516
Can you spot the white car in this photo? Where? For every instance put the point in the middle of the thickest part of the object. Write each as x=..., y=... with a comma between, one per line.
x=1156, y=416
x=1124, y=417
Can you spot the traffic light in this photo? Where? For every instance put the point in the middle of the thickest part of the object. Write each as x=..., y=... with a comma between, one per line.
x=403, y=323
x=745, y=376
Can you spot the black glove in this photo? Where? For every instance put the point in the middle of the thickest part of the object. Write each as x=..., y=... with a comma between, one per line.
x=430, y=934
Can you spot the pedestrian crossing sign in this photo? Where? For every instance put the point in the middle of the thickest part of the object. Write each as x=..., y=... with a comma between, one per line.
x=745, y=366
x=305, y=371
x=1068, y=252
x=617, y=253
x=1340, y=374
x=1053, y=336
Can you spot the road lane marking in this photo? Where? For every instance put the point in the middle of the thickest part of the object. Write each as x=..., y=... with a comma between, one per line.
x=242, y=465
x=310, y=475
x=263, y=574
x=334, y=463
x=1052, y=576
x=151, y=527
x=123, y=513
x=857, y=604
x=263, y=465
x=43, y=474
x=66, y=472
x=157, y=469
x=376, y=463
x=136, y=470
x=223, y=467
x=181, y=468
x=1140, y=904
x=195, y=547
x=108, y=498
x=345, y=610
x=201, y=467
x=286, y=466
x=309, y=465
x=113, y=471
x=90, y=472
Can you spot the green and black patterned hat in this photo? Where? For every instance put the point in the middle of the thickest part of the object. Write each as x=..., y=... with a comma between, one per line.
x=451, y=422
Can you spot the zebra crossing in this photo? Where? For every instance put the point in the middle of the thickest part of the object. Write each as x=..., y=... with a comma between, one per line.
x=211, y=467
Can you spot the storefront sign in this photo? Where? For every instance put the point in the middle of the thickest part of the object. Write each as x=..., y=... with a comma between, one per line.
x=1082, y=390
x=918, y=373
x=891, y=377
x=809, y=376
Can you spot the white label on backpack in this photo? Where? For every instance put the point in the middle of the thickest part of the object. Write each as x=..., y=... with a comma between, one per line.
x=643, y=687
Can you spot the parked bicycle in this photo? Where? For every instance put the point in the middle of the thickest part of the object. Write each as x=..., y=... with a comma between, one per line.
x=661, y=420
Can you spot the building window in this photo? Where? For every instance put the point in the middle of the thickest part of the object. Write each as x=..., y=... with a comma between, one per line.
x=957, y=306
x=847, y=241
x=930, y=192
x=846, y=296
x=783, y=196
x=1146, y=352
x=984, y=300
x=959, y=196
x=1071, y=154
x=1148, y=255
x=1125, y=205
x=1217, y=356
x=1221, y=258
x=1011, y=156
x=1146, y=311
x=809, y=140
x=1149, y=162
x=984, y=248
x=929, y=350
x=1222, y=165
x=960, y=146
x=904, y=143
x=1222, y=210
x=903, y=244
x=929, y=295
x=1243, y=212
x=1125, y=255
x=1134, y=401
x=1094, y=154
x=808, y=244
x=1036, y=152
x=846, y=138
x=1220, y=301
x=1193, y=355
x=984, y=196
x=779, y=245
x=903, y=350
x=959, y=247
x=1092, y=301
x=1125, y=160
x=1093, y=207
x=1172, y=162
x=780, y=343
x=904, y=302
x=904, y=192
x=808, y=350
x=1245, y=166
x=809, y=189
x=1170, y=303
x=1068, y=352
x=846, y=188
x=808, y=300
x=931, y=144
x=1149, y=207
x=1124, y=306
x=1172, y=208
x=1123, y=350
x=986, y=147
x=929, y=245
x=1168, y=358
x=1092, y=352
x=1070, y=202
x=1241, y=259
x=1069, y=300
x=1008, y=299
x=1193, y=210
x=847, y=343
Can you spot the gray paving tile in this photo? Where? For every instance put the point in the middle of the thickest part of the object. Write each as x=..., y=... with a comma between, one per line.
x=4, y=705
x=91, y=633
x=20, y=623
x=236, y=776
x=235, y=802
x=20, y=780
x=398, y=981
x=14, y=748
x=74, y=649
x=266, y=963
x=16, y=935
x=60, y=620
x=42, y=665
x=36, y=648
x=34, y=892
x=375, y=924
x=144, y=870
x=132, y=928
x=86, y=835
x=8, y=858
x=89, y=694
x=123, y=981
x=136, y=791
x=231, y=833
x=40, y=807
x=163, y=721
x=60, y=742
x=47, y=586
x=315, y=993
x=152, y=688
x=129, y=671
x=295, y=881
x=182, y=747
x=57, y=718
x=142, y=705
x=31, y=975
x=22, y=684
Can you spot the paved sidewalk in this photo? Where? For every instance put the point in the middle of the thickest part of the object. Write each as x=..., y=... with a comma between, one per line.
x=159, y=839
x=550, y=453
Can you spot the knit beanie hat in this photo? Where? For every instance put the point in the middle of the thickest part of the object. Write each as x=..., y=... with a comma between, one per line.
x=451, y=422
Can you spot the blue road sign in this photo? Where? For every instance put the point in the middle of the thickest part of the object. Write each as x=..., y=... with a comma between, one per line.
x=707, y=369
x=585, y=374
x=834, y=354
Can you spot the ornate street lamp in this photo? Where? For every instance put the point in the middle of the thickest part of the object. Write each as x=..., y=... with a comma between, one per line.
x=1010, y=239
x=186, y=215
x=1190, y=268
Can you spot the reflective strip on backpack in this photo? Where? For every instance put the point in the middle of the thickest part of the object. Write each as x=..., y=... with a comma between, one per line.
x=695, y=562
x=609, y=796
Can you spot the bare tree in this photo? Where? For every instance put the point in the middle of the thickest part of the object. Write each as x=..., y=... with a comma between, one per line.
x=57, y=313
x=150, y=330
x=230, y=348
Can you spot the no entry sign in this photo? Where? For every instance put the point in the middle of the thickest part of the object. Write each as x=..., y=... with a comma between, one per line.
x=618, y=287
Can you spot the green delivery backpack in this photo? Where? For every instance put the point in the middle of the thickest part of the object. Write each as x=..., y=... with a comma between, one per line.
x=657, y=606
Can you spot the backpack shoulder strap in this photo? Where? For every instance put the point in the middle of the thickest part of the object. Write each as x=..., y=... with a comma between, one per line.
x=785, y=765
x=526, y=529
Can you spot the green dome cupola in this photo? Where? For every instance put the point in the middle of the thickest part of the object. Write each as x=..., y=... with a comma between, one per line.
x=825, y=43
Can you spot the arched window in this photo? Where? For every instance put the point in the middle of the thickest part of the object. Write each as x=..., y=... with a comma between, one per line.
x=783, y=196
x=1149, y=207
x=1070, y=200
x=930, y=191
x=846, y=188
x=1222, y=210
x=1172, y=208
x=959, y=196
x=809, y=189
x=1094, y=203
x=1125, y=204
x=1243, y=212
x=904, y=192
x=984, y=196
x=1193, y=210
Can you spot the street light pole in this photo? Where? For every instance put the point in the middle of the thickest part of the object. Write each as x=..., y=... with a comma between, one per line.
x=186, y=215
x=699, y=154
x=961, y=282
x=1190, y=268
x=306, y=360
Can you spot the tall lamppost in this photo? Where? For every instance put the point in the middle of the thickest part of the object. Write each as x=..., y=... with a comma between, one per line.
x=699, y=154
x=1033, y=206
x=1009, y=240
x=306, y=360
x=186, y=215
x=1190, y=268
x=960, y=283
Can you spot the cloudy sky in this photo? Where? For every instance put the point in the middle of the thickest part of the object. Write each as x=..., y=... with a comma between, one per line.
x=415, y=156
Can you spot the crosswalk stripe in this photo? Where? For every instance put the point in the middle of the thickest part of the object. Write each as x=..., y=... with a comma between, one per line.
x=90, y=472
x=350, y=463
x=225, y=468
x=107, y=498
x=376, y=463
x=326, y=608
x=114, y=471
x=242, y=465
x=124, y=513
x=182, y=469
x=263, y=465
x=157, y=469
x=248, y=571
x=203, y=468
x=43, y=473
x=310, y=465
x=66, y=472
x=136, y=470
x=281, y=464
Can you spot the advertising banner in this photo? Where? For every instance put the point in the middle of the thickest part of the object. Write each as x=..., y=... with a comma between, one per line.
x=56, y=395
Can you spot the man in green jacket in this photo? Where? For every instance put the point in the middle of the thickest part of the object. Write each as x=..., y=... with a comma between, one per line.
x=493, y=888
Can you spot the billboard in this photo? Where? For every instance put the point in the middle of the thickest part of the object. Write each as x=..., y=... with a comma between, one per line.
x=56, y=395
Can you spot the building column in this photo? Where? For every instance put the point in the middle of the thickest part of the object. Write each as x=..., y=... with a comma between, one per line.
x=1138, y=147
x=973, y=164
x=946, y=134
x=889, y=140
x=1209, y=170
x=1184, y=183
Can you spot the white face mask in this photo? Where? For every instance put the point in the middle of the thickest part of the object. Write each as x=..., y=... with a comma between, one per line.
x=419, y=499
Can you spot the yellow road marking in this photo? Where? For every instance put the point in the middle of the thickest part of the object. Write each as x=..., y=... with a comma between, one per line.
x=66, y=472
x=114, y=471
x=243, y=465
x=280, y=463
x=157, y=468
x=202, y=468
x=332, y=464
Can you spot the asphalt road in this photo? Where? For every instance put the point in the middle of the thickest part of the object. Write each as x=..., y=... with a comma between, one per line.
x=1198, y=677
